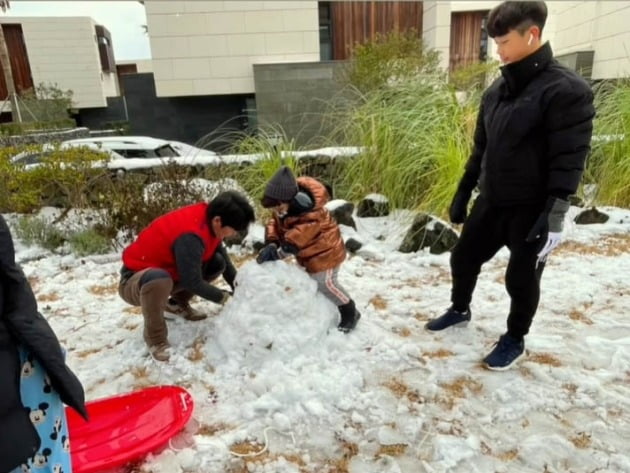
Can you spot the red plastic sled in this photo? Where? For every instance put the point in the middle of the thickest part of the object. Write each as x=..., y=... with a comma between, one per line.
x=125, y=428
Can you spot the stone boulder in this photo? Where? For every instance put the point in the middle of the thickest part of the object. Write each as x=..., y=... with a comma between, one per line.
x=589, y=216
x=427, y=231
x=341, y=211
x=353, y=245
x=373, y=205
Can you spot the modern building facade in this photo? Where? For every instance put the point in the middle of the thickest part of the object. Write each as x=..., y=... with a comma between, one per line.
x=73, y=53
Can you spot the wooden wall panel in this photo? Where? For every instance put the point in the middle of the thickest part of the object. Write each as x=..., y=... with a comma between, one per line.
x=357, y=22
x=19, y=60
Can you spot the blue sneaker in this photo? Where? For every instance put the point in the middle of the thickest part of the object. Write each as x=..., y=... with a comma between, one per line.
x=450, y=318
x=505, y=353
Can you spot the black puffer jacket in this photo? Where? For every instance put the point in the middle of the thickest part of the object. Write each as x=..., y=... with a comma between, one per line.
x=533, y=133
x=20, y=323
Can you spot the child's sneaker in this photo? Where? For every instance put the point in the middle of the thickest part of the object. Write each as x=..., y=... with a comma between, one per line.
x=349, y=317
x=507, y=351
x=184, y=310
x=449, y=318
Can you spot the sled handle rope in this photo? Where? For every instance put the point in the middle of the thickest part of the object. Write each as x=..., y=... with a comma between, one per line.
x=246, y=455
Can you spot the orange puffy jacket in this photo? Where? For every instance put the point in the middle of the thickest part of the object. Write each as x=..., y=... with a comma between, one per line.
x=314, y=233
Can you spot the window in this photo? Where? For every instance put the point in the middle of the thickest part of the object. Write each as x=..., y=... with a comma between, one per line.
x=166, y=151
x=325, y=32
x=483, y=43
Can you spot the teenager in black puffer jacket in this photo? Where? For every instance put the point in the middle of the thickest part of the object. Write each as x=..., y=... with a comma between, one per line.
x=530, y=145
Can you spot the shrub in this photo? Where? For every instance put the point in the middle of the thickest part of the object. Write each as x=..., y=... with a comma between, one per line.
x=609, y=163
x=391, y=59
x=89, y=242
x=36, y=230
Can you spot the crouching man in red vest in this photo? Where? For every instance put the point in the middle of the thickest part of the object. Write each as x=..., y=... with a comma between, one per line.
x=175, y=257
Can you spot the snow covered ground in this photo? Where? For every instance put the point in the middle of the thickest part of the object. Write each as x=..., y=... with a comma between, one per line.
x=270, y=371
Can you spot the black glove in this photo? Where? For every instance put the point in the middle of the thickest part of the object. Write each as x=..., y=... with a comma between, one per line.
x=551, y=219
x=458, y=210
x=268, y=253
x=226, y=296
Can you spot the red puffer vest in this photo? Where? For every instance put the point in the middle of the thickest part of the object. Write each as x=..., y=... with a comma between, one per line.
x=153, y=247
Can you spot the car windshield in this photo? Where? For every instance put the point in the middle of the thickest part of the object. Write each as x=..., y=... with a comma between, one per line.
x=166, y=151
x=33, y=158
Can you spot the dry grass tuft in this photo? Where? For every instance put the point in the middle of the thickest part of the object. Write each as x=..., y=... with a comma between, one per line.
x=52, y=297
x=401, y=390
x=210, y=430
x=544, y=359
x=106, y=290
x=457, y=389
x=394, y=450
x=141, y=377
x=131, y=310
x=196, y=350
x=613, y=244
x=581, y=440
x=579, y=316
x=508, y=455
x=402, y=331
x=459, y=386
x=86, y=353
x=570, y=387
x=441, y=353
x=378, y=302
x=341, y=465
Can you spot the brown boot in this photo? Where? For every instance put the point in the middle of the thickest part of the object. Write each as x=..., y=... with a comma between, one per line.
x=184, y=310
x=160, y=352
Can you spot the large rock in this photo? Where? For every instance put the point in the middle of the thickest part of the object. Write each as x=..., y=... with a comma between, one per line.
x=592, y=215
x=373, y=205
x=426, y=231
x=341, y=211
x=353, y=245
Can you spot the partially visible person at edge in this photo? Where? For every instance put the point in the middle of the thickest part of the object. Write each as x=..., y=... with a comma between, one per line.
x=36, y=382
x=531, y=140
x=175, y=257
x=302, y=227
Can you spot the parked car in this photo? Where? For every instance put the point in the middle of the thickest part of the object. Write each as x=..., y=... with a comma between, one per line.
x=142, y=152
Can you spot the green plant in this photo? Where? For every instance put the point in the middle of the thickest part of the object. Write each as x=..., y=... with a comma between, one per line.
x=474, y=77
x=416, y=139
x=46, y=103
x=89, y=242
x=13, y=129
x=63, y=177
x=121, y=127
x=608, y=166
x=36, y=230
x=390, y=59
x=270, y=149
